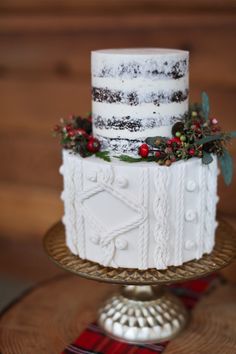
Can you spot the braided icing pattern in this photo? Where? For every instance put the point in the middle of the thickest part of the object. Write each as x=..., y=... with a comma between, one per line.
x=161, y=209
x=179, y=207
x=210, y=206
x=144, y=227
x=202, y=196
x=69, y=202
x=79, y=221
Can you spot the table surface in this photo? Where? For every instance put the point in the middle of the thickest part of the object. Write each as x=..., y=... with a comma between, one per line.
x=54, y=313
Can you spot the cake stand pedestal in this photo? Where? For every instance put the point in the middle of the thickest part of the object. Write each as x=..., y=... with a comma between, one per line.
x=144, y=311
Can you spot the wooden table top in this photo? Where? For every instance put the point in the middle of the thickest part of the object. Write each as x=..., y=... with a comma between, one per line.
x=55, y=312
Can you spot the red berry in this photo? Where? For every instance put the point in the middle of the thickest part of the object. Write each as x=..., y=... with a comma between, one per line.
x=71, y=133
x=191, y=152
x=57, y=128
x=93, y=145
x=174, y=140
x=214, y=121
x=68, y=127
x=143, y=150
x=197, y=124
x=158, y=154
x=81, y=132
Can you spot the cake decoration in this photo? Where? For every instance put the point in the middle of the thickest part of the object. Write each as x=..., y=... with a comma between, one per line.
x=197, y=136
x=76, y=135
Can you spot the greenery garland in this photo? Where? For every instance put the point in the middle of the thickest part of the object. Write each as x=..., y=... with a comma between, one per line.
x=198, y=136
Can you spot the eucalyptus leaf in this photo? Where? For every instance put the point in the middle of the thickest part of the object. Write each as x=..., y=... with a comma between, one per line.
x=207, y=158
x=151, y=141
x=205, y=105
x=208, y=139
x=226, y=163
x=232, y=134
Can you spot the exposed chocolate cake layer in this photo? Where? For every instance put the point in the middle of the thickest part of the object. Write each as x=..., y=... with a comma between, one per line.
x=134, y=98
x=150, y=69
x=119, y=146
x=134, y=125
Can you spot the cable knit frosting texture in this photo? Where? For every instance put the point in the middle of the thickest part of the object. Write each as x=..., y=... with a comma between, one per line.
x=139, y=215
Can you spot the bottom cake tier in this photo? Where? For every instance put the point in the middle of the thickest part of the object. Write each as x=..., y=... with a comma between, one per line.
x=139, y=215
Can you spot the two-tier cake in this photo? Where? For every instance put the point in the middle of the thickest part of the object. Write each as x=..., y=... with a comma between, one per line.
x=146, y=214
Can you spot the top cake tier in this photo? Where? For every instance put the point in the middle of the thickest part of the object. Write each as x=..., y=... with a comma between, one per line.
x=137, y=93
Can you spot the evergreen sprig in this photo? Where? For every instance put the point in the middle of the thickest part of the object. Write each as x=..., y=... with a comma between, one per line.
x=196, y=136
x=103, y=155
x=127, y=158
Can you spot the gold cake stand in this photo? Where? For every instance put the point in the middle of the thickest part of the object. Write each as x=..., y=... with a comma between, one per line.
x=144, y=311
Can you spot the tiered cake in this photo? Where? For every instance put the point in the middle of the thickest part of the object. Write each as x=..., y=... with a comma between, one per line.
x=138, y=215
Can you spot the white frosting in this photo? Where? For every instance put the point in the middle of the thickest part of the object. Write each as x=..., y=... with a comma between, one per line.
x=107, y=110
x=126, y=134
x=153, y=76
x=145, y=59
x=139, y=215
x=141, y=85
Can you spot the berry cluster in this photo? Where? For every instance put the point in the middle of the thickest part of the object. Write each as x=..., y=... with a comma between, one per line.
x=198, y=136
x=75, y=134
x=186, y=142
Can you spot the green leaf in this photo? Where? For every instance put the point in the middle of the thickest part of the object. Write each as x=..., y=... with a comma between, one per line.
x=194, y=107
x=226, y=163
x=103, y=155
x=65, y=141
x=207, y=158
x=205, y=105
x=152, y=140
x=127, y=158
x=208, y=139
x=232, y=134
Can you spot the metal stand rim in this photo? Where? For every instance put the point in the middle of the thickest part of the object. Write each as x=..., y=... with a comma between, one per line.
x=223, y=254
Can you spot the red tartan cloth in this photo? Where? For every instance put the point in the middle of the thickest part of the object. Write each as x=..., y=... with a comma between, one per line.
x=94, y=341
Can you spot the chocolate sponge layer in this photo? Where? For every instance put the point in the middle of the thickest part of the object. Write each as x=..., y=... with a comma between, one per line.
x=133, y=98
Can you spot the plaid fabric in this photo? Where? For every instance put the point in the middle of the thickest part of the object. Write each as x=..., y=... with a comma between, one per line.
x=94, y=341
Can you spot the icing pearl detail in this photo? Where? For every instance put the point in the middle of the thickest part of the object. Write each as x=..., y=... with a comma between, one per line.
x=92, y=176
x=61, y=170
x=62, y=195
x=216, y=224
x=189, y=244
x=217, y=199
x=218, y=171
x=95, y=239
x=190, y=215
x=122, y=182
x=191, y=186
x=121, y=244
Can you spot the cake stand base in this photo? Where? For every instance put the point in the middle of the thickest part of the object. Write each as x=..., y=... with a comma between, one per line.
x=143, y=314
x=144, y=311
